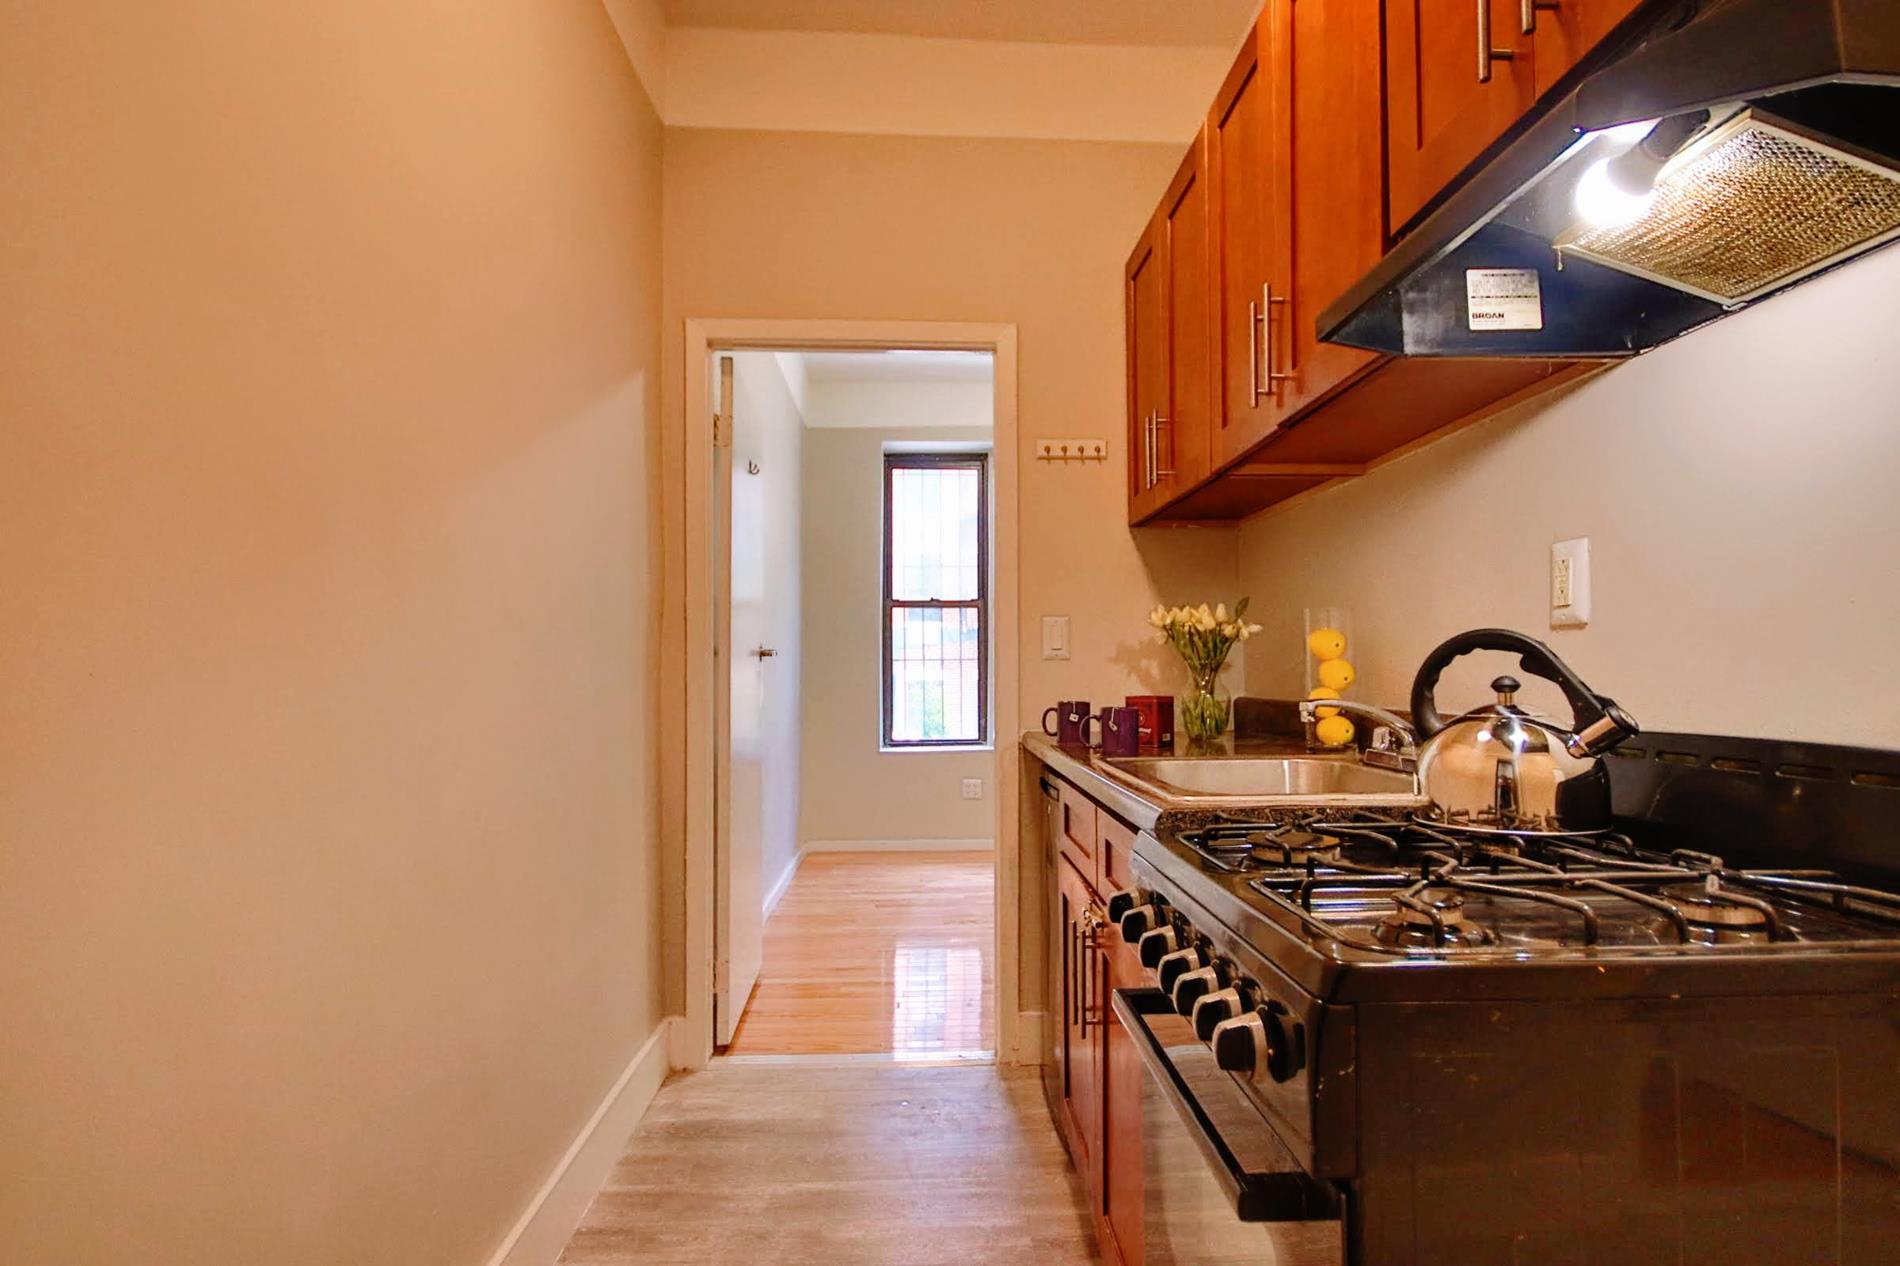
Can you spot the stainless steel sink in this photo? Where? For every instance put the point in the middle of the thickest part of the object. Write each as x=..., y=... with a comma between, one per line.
x=1288, y=779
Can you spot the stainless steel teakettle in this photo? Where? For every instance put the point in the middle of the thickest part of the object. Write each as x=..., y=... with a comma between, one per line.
x=1497, y=768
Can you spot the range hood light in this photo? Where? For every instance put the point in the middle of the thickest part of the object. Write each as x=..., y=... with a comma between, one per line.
x=1604, y=203
x=1618, y=190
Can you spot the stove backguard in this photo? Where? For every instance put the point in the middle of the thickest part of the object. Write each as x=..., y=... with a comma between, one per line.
x=1763, y=802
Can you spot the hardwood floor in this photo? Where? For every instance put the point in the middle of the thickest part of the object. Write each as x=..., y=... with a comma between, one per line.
x=878, y=953
x=859, y=1165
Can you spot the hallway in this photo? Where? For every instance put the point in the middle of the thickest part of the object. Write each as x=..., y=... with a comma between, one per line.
x=804, y=1163
x=872, y=953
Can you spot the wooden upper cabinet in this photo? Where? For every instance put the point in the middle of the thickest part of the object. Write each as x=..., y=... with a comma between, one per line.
x=1184, y=427
x=1450, y=93
x=1246, y=184
x=1169, y=359
x=1563, y=31
x=1329, y=54
x=1145, y=289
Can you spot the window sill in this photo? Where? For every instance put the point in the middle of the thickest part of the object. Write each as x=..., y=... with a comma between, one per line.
x=933, y=749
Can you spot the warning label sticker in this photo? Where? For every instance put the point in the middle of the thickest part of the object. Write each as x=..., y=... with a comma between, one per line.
x=1503, y=299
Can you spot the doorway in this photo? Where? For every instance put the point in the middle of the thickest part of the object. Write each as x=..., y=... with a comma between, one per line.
x=873, y=913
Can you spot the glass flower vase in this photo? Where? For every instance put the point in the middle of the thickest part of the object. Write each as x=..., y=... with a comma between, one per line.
x=1206, y=709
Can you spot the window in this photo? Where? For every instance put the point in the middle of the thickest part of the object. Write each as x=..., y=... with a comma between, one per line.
x=936, y=599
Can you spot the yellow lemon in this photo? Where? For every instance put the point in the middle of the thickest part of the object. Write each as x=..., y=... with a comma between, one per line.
x=1336, y=673
x=1334, y=731
x=1326, y=643
x=1324, y=692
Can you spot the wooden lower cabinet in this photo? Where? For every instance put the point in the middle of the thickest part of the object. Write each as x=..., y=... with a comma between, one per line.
x=1084, y=995
x=1098, y=1110
x=1119, y=1216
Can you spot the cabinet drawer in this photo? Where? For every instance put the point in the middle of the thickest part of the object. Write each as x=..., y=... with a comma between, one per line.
x=1078, y=833
x=1115, y=843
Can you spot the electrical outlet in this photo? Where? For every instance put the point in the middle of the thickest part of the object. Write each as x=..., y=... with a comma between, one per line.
x=972, y=788
x=1570, y=583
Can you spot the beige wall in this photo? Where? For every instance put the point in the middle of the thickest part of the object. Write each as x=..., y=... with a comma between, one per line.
x=846, y=402
x=328, y=884
x=809, y=225
x=1738, y=490
x=853, y=791
x=769, y=431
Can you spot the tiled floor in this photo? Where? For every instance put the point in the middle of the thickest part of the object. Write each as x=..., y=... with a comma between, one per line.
x=862, y=1165
x=878, y=952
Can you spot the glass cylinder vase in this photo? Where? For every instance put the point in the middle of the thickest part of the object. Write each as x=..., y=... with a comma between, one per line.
x=1206, y=709
x=1327, y=650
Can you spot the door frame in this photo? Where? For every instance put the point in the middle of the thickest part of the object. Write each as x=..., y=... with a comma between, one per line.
x=692, y=1037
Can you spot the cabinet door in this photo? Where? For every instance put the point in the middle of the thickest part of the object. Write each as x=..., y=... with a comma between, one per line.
x=1078, y=839
x=1453, y=88
x=1328, y=51
x=1187, y=419
x=1122, y=1076
x=1146, y=291
x=1568, y=29
x=1245, y=183
x=1083, y=986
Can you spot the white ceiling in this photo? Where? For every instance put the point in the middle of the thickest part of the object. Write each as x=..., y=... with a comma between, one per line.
x=920, y=366
x=1176, y=23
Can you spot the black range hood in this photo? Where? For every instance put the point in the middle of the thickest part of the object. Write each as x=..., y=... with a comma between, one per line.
x=1712, y=153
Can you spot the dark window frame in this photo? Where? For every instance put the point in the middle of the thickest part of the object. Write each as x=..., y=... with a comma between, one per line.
x=980, y=462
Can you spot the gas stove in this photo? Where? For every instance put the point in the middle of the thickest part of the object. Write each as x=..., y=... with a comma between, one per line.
x=1680, y=1035
x=1385, y=883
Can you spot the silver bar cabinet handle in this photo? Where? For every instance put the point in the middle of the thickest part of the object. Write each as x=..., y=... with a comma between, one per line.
x=1267, y=300
x=1253, y=351
x=1160, y=472
x=1529, y=10
x=1487, y=54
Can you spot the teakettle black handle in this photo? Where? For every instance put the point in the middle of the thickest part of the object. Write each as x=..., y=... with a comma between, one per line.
x=1586, y=706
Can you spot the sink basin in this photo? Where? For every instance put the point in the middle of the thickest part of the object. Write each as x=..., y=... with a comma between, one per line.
x=1279, y=778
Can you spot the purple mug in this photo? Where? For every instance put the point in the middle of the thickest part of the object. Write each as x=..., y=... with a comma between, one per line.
x=1121, y=731
x=1071, y=717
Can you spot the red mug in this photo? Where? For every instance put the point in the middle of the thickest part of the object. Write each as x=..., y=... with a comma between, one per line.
x=1071, y=717
x=1157, y=720
x=1121, y=731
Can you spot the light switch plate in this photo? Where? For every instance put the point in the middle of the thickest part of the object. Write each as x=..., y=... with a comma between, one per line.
x=972, y=788
x=1570, y=583
x=1055, y=637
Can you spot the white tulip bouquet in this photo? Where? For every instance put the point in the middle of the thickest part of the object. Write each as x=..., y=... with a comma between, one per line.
x=1203, y=637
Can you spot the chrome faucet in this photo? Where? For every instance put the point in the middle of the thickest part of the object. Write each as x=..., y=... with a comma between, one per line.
x=1394, y=742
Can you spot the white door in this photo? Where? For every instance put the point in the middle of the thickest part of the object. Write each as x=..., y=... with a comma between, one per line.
x=739, y=823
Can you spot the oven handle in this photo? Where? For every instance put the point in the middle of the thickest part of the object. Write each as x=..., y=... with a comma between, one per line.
x=1291, y=1195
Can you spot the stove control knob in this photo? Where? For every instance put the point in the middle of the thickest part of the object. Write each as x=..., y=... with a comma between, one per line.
x=1191, y=986
x=1212, y=1010
x=1157, y=944
x=1176, y=965
x=1240, y=1044
x=1138, y=921
x=1286, y=1043
x=1120, y=902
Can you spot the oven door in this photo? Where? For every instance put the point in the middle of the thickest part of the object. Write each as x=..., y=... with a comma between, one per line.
x=1218, y=1186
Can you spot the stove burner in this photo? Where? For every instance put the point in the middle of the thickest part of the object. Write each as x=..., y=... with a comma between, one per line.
x=1292, y=847
x=1433, y=916
x=1708, y=907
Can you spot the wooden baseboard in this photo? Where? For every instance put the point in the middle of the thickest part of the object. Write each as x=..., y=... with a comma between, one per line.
x=1028, y=1037
x=899, y=846
x=544, y=1227
x=776, y=892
